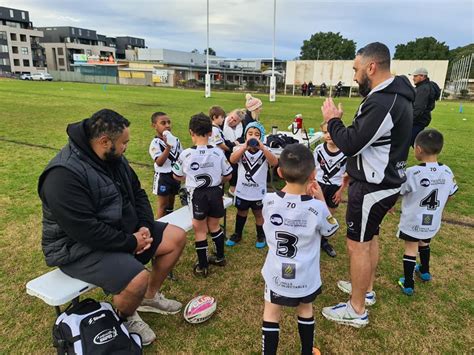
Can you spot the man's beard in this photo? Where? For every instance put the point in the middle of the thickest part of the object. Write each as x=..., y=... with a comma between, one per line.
x=111, y=156
x=365, y=86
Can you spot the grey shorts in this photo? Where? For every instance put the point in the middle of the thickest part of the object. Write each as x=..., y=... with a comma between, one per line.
x=113, y=271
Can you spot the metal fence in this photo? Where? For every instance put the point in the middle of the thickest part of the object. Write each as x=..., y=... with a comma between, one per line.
x=76, y=76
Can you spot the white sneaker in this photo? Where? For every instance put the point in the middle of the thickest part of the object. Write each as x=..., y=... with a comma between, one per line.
x=160, y=304
x=135, y=324
x=343, y=313
x=346, y=286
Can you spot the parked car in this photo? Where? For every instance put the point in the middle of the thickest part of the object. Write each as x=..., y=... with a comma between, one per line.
x=25, y=76
x=41, y=76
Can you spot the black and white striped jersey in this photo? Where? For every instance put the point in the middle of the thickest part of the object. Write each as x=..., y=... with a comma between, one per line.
x=377, y=141
x=330, y=167
x=157, y=146
x=252, y=176
x=425, y=194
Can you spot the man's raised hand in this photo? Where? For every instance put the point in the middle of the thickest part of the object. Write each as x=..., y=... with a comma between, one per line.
x=329, y=110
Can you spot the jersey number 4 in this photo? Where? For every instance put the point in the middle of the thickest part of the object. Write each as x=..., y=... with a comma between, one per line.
x=431, y=201
x=286, y=244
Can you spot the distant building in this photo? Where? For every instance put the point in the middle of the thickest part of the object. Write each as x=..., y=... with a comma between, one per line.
x=20, y=50
x=128, y=45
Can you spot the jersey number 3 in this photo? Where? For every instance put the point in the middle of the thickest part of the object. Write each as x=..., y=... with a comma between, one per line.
x=431, y=201
x=286, y=244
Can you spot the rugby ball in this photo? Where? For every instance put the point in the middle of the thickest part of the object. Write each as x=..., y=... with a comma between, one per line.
x=200, y=309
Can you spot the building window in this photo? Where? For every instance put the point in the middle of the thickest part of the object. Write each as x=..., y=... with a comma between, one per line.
x=4, y=61
x=24, y=50
x=3, y=35
x=60, y=51
x=72, y=30
x=3, y=48
x=11, y=13
x=61, y=62
x=13, y=36
x=12, y=24
x=26, y=63
x=15, y=50
x=88, y=33
x=16, y=62
x=23, y=38
x=23, y=15
x=88, y=52
x=80, y=32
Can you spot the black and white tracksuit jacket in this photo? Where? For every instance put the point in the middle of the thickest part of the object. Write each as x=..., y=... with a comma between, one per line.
x=378, y=140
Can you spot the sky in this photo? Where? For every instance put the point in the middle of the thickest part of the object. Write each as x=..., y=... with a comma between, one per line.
x=244, y=28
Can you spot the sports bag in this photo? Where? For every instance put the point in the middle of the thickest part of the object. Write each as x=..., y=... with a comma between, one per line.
x=90, y=327
x=279, y=140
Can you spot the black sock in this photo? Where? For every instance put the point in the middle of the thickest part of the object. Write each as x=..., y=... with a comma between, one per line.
x=239, y=224
x=424, y=258
x=201, y=250
x=306, y=330
x=260, y=231
x=218, y=238
x=409, y=263
x=270, y=333
x=324, y=241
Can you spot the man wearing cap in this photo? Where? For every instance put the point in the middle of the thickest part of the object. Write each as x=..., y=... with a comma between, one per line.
x=424, y=102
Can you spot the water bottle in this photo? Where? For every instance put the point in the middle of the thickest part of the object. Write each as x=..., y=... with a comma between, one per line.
x=170, y=139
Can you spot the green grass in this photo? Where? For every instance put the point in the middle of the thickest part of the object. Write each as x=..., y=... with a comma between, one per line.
x=437, y=319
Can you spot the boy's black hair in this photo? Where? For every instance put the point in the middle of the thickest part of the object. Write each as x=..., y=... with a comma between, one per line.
x=200, y=124
x=156, y=115
x=296, y=163
x=430, y=141
x=216, y=111
x=106, y=122
x=378, y=52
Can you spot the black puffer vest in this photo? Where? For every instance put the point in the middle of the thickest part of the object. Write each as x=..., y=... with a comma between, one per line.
x=58, y=248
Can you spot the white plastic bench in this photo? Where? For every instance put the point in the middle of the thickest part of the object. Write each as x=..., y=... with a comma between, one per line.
x=56, y=288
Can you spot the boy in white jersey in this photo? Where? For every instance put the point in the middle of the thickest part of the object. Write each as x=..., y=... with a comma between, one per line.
x=204, y=168
x=330, y=168
x=253, y=159
x=295, y=219
x=217, y=115
x=164, y=155
x=425, y=193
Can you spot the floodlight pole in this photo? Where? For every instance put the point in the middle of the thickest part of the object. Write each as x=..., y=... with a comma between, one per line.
x=272, y=78
x=208, y=77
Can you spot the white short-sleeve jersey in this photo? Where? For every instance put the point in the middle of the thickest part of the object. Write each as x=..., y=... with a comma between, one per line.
x=293, y=226
x=330, y=167
x=424, y=195
x=203, y=166
x=252, y=176
x=157, y=146
x=217, y=137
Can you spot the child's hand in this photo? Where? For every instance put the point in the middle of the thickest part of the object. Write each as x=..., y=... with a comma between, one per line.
x=337, y=196
x=314, y=190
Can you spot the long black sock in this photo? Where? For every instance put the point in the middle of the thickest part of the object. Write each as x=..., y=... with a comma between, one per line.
x=324, y=241
x=239, y=224
x=409, y=263
x=424, y=258
x=260, y=231
x=306, y=330
x=201, y=250
x=270, y=334
x=219, y=238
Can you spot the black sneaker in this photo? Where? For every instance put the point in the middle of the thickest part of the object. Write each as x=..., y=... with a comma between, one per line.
x=328, y=249
x=234, y=239
x=201, y=272
x=214, y=260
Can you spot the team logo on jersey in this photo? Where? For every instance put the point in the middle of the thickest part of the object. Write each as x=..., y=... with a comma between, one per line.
x=331, y=219
x=425, y=182
x=276, y=219
x=288, y=271
x=427, y=220
x=194, y=166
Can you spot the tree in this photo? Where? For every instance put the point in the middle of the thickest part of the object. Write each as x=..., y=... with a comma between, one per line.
x=211, y=51
x=195, y=51
x=328, y=46
x=422, y=48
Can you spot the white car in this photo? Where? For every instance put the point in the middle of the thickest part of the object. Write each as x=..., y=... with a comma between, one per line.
x=25, y=76
x=41, y=76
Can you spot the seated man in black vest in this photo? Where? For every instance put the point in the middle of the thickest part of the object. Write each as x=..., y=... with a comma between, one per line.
x=98, y=223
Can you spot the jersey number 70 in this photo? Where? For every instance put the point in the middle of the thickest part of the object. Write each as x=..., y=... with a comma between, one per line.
x=286, y=244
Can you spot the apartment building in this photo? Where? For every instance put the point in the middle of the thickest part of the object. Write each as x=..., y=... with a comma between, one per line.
x=20, y=49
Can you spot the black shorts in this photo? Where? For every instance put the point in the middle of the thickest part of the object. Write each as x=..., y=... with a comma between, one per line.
x=275, y=298
x=244, y=205
x=164, y=184
x=112, y=271
x=328, y=192
x=409, y=238
x=366, y=207
x=207, y=202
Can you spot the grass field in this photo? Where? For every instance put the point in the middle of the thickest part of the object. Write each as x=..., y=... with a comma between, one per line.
x=436, y=319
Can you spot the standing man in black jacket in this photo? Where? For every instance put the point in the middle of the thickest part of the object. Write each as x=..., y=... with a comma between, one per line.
x=98, y=223
x=424, y=102
x=376, y=144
